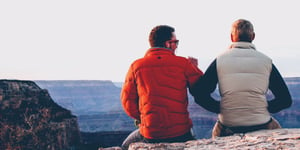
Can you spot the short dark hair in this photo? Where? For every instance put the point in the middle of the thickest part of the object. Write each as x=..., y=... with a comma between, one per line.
x=243, y=29
x=159, y=35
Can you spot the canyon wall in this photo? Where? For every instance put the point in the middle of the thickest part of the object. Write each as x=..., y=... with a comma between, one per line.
x=30, y=119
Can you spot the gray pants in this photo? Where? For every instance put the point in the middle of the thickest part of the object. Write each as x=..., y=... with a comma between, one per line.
x=133, y=137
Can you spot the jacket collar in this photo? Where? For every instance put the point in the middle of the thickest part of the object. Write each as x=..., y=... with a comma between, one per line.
x=242, y=45
x=159, y=51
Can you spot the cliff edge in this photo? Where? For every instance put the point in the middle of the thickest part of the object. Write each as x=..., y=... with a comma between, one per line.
x=288, y=139
x=30, y=119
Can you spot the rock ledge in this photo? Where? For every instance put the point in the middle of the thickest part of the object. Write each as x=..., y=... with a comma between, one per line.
x=258, y=140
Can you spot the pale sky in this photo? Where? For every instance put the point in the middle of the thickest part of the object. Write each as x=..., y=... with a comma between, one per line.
x=99, y=39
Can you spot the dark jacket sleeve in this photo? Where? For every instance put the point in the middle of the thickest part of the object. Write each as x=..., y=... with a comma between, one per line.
x=280, y=91
x=204, y=87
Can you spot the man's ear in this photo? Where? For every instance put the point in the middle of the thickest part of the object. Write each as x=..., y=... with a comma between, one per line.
x=231, y=37
x=167, y=44
x=253, y=36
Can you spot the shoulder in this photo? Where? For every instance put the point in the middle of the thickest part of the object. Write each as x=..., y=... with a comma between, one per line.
x=181, y=58
x=136, y=63
x=261, y=54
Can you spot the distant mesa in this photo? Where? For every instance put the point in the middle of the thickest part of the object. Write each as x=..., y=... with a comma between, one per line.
x=84, y=97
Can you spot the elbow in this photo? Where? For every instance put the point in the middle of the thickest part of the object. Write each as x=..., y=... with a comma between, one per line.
x=200, y=102
x=133, y=114
x=209, y=104
x=289, y=103
x=198, y=99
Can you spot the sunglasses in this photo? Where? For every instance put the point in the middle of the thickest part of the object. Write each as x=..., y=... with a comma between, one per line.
x=174, y=41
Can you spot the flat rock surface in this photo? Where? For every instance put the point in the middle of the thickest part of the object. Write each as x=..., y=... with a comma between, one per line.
x=287, y=139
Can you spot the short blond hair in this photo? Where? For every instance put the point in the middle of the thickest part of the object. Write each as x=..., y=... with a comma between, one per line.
x=243, y=30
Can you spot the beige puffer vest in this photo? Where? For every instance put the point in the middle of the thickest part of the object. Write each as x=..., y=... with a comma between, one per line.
x=243, y=75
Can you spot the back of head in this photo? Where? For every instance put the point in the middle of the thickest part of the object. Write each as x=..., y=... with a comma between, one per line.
x=159, y=35
x=242, y=30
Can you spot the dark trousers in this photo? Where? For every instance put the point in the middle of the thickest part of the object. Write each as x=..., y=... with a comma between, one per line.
x=135, y=136
x=183, y=138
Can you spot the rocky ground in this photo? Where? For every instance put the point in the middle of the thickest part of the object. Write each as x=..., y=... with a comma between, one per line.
x=279, y=139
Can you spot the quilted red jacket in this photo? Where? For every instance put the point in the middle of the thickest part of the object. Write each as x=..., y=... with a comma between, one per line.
x=155, y=92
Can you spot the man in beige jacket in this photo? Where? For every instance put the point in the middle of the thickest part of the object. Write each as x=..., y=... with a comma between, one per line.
x=244, y=76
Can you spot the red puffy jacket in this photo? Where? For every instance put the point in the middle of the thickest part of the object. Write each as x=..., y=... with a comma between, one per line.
x=155, y=92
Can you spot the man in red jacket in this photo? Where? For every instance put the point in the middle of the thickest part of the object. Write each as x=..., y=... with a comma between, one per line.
x=155, y=91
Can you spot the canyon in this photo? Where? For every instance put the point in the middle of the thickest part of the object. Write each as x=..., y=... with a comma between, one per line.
x=87, y=114
x=97, y=105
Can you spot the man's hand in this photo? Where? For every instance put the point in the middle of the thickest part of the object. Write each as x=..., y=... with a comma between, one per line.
x=193, y=60
x=137, y=123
